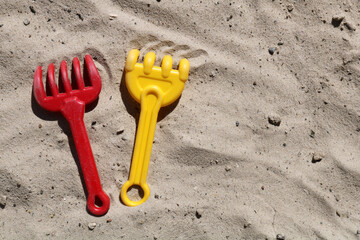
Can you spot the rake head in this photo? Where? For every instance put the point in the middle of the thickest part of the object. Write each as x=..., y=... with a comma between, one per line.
x=168, y=81
x=55, y=101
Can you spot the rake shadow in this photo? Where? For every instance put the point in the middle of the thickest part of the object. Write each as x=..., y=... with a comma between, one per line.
x=133, y=108
x=62, y=122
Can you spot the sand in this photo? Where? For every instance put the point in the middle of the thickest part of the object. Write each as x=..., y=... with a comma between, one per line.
x=259, y=146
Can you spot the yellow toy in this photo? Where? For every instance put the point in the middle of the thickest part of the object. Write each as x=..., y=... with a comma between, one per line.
x=153, y=87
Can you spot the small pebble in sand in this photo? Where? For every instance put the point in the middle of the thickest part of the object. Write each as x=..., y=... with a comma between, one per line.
x=312, y=134
x=280, y=43
x=3, y=201
x=272, y=50
x=274, y=120
x=109, y=220
x=26, y=22
x=32, y=9
x=199, y=213
x=1, y=25
x=228, y=168
x=237, y=123
x=120, y=132
x=247, y=224
x=290, y=7
x=80, y=16
x=280, y=237
x=338, y=213
x=317, y=157
x=91, y=226
x=40, y=126
x=358, y=232
x=349, y=26
x=112, y=16
x=336, y=20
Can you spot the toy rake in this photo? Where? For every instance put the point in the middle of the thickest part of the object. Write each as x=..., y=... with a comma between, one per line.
x=71, y=104
x=153, y=87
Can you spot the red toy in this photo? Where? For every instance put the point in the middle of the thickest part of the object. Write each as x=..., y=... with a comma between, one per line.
x=72, y=105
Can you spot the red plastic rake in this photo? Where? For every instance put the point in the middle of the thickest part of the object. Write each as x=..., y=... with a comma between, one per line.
x=72, y=105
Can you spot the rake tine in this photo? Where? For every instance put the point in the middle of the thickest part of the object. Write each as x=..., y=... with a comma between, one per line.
x=166, y=66
x=184, y=67
x=64, y=76
x=149, y=62
x=51, y=80
x=39, y=90
x=77, y=71
x=131, y=59
x=93, y=72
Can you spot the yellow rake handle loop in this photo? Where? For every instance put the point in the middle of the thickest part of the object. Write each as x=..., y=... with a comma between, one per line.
x=153, y=87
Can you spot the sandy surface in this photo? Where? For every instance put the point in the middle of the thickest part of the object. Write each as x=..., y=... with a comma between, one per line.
x=219, y=169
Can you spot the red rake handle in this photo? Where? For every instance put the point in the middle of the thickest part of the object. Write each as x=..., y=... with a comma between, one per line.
x=73, y=110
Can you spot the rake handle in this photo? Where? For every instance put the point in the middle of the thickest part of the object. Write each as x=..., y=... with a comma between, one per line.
x=73, y=110
x=151, y=99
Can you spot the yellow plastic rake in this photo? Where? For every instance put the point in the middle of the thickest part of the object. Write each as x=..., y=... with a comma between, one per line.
x=153, y=87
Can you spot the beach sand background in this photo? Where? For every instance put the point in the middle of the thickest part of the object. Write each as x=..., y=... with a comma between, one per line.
x=220, y=167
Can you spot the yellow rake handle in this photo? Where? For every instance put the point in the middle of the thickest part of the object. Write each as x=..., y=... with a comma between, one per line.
x=150, y=106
